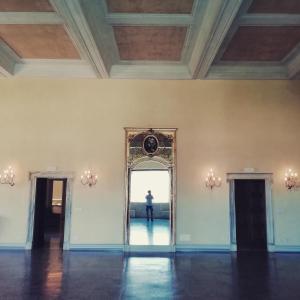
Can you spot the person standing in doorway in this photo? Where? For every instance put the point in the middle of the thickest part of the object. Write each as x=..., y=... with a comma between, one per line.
x=149, y=205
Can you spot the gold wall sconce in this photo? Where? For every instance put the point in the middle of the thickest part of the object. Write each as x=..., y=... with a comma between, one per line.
x=8, y=176
x=88, y=178
x=212, y=181
x=291, y=180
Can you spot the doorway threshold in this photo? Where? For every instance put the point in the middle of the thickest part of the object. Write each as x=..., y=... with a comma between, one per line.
x=149, y=248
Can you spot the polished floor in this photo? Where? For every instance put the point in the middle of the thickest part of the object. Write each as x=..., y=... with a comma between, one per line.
x=143, y=232
x=95, y=275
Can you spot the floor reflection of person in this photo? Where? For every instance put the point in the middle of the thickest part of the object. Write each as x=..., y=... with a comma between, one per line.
x=149, y=206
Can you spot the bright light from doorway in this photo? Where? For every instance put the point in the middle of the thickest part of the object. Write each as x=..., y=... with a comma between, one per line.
x=157, y=181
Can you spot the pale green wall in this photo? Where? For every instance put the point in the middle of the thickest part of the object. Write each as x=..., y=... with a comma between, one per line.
x=75, y=124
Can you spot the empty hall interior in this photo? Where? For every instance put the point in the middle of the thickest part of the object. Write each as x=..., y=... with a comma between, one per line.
x=150, y=149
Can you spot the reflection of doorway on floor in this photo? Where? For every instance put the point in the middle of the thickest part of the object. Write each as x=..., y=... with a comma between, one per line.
x=141, y=230
x=49, y=216
x=250, y=206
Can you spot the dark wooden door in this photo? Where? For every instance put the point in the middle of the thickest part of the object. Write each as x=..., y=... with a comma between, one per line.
x=250, y=207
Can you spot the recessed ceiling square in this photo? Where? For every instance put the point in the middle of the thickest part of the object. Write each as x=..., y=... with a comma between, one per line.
x=275, y=7
x=150, y=43
x=151, y=6
x=39, y=41
x=257, y=43
x=25, y=5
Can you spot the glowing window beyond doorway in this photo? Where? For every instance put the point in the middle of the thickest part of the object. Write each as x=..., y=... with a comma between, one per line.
x=157, y=181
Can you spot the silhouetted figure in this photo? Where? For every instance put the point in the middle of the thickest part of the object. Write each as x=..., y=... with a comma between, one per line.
x=149, y=206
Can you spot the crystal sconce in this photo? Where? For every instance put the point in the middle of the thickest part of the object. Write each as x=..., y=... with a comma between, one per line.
x=88, y=178
x=212, y=181
x=291, y=179
x=8, y=176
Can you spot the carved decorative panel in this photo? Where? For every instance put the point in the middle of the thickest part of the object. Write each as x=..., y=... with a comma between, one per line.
x=148, y=144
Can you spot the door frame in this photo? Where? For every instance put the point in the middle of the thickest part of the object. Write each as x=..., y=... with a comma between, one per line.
x=33, y=176
x=172, y=171
x=268, y=178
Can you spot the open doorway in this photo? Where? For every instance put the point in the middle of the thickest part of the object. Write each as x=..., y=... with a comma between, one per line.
x=149, y=207
x=49, y=213
x=150, y=180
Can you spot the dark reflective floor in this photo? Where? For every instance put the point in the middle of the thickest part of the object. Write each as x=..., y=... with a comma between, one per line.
x=96, y=275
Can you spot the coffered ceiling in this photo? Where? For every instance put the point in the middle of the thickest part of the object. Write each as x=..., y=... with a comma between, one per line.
x=153, y=39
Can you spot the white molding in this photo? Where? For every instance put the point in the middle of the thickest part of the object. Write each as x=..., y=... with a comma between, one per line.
x=55, y=68
x=268, y=177
x=96, y=247
x=149, y=19
x=287, y=248
x=33, y=176
x=247, y=71
x=217, y=21
x=8, y=60
x=150, y=71
x=27, y=18
x=80, y=32
x=12, y=246
x=270, y=20
x=203, y=248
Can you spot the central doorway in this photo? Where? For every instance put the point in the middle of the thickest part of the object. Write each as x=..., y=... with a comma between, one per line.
x=149, y=220
x=149, y=223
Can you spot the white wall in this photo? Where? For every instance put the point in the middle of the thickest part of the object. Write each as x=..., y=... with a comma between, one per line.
x=78, y=124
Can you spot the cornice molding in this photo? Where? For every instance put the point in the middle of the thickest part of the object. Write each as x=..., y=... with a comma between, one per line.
x=248, y=71
x=147, y=71
x=8, y=60
x=54, y=68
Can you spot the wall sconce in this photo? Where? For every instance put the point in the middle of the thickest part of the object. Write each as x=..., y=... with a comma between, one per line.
x=291, y=179
x=88, y=178
x=212, y=181
x=8, y=176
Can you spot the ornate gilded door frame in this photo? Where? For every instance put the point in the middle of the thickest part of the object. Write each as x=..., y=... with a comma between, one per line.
x=151, y=144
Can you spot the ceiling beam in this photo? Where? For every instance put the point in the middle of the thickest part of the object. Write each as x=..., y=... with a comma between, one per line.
x=80, y=32
x=149, y=19
x=8, y=60
x=30, y=18
x=218, y=18
x=270, y=20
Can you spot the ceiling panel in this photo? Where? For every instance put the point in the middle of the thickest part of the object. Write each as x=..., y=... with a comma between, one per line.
x=150, y=43
x=25, y=5
x=255, y=43
x=275, y=6
x=39, y=41
x=150, y=6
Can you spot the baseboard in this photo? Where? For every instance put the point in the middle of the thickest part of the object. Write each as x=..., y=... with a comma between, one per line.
x=203, y=248
x=14, y=246
x=286, y=248
x=96, y=247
